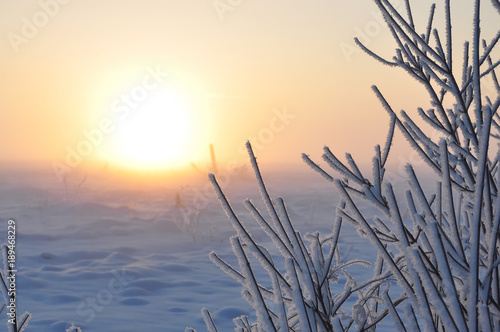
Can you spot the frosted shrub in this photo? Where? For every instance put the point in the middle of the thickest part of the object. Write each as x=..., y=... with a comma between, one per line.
x=444, y=257
x=300, y=296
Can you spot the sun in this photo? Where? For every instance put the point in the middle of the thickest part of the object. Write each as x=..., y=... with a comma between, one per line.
x=156, y=134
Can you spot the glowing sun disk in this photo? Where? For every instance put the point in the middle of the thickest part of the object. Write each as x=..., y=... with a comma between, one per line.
x=156, y=133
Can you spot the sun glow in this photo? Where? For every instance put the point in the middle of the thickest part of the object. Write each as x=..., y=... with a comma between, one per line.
x=158, y=134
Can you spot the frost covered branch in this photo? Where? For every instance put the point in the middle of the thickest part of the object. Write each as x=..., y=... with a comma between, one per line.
x=438, y=262
x=301, y=296
x=444, y=256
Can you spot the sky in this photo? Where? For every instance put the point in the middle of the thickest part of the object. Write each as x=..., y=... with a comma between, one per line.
x=154, y=82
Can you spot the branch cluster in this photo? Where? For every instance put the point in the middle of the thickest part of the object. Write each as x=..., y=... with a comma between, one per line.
x=444, y=257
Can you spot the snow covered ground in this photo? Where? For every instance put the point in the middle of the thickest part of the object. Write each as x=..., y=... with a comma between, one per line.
x=113, y=255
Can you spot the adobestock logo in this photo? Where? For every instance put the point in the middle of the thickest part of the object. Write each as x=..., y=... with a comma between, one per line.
x=366, y=34
x=96, y=304
x=122, y=106
x=265, y=136
x=280, y=120
x=31, y=25
x=223, y=6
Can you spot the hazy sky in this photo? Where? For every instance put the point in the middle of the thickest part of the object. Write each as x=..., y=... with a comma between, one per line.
x=284, y=73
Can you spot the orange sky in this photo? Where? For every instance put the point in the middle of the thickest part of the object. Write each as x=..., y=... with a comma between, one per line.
x=282, y=73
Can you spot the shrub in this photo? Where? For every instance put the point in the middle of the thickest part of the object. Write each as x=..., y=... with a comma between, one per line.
x=445, y=257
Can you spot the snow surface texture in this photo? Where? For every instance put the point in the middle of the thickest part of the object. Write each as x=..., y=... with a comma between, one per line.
x=116, y=256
